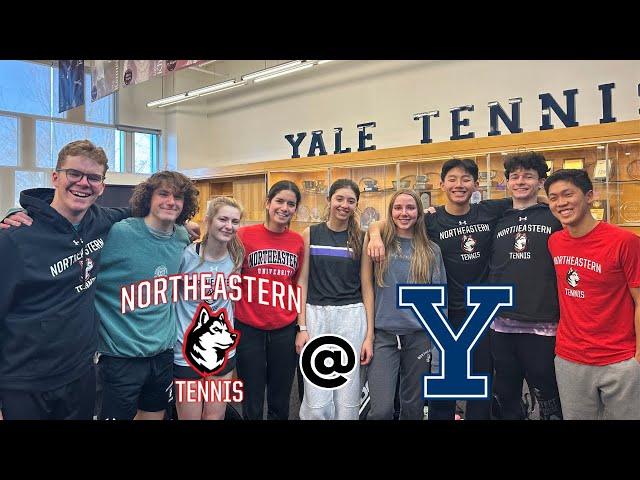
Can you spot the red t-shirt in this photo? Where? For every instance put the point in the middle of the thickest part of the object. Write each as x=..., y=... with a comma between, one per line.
x=270, y=269
x=594, y=274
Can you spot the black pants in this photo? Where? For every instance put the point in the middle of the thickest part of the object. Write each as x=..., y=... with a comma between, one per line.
x=74, y=401
x=266, y=358
x=519, y=356
x=482, y=364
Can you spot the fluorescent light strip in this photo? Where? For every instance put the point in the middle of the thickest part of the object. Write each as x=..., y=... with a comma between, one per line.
x=320, y=62
x=270, y=70
x=218, y=87
x=223, y=89
x=277, y=74
x=168, y=100
x=211, y=88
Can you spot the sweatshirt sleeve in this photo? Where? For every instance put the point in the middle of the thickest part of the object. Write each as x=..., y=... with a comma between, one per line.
x=13, y=268
x=116, y=214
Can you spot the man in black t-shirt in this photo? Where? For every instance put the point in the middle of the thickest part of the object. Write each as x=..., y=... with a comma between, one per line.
x=464, y=232
x=523, y=337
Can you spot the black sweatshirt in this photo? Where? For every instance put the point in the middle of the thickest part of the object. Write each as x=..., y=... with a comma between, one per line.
x=48, y=326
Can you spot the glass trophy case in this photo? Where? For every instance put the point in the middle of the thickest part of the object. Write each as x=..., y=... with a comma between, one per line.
x=610, y=153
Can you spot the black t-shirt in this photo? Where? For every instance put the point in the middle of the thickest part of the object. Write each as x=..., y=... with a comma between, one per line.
x=465, y=241
x=520, y=256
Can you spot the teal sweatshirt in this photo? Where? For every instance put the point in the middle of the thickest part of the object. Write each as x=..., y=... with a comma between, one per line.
x=132, y=254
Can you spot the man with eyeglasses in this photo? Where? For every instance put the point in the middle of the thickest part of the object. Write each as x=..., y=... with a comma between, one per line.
x=47, y=317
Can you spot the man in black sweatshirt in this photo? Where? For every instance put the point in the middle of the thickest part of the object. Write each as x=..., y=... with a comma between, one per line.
x=47, y=318
x=523, y=337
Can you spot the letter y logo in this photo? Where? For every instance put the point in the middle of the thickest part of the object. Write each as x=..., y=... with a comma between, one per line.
x=427, y=302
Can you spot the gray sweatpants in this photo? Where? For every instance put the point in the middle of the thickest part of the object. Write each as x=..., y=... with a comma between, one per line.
x=350, y=322
x=591, y=392
x=407, y=354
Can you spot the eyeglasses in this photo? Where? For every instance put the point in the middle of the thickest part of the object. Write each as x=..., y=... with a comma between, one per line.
x=76, y=176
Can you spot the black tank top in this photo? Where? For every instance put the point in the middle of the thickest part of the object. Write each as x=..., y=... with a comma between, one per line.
x=334, y=276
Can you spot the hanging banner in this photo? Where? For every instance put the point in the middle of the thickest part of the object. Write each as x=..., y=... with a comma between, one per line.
x=71, y=84
x=175, y=65
x=138, y=71
x=104, y=78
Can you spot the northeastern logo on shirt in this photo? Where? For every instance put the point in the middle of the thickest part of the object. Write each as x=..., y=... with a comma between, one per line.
x=520, y=246
x=468, y=243
x=572, y=277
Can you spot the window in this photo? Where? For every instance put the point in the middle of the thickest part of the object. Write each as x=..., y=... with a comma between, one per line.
x=28, y=87
x=8, y=141
x=100, y=111
x=26, y=180
x=52, y=136
x=145, y=152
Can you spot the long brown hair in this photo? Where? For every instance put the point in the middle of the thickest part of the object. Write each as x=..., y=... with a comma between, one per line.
x=354, y=232
x=235, y=248
x=423, y=255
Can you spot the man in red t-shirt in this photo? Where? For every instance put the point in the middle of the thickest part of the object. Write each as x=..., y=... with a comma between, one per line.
x=598, y=275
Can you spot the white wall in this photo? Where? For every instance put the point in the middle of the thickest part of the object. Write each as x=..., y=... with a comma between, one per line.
x=249, y=124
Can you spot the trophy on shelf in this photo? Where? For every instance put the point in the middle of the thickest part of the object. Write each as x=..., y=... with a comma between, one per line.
x=404, y=182
x=485, y=177
x=573, y=163
x=370, y=184
x=602, y=170
x=422, y=182
x=633, y=170
x=320, y=186
x=599, y=209
x=309, y=185
x=630, y=212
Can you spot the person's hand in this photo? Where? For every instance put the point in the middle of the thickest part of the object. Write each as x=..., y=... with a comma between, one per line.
x=375, y=249
x=301, y=339
x=637, y=357
x=193, y=228
x=430, y=210
x=366, y=352
x=16, y=219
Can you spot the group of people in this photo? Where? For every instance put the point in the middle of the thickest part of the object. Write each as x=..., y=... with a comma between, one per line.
x=573, y=332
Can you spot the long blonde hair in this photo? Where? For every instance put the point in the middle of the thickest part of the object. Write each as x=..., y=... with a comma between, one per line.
x=423, y=255
x=235, y=248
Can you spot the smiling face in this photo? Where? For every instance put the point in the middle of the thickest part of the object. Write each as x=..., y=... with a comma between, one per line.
x=568, y=203
x=224, y=224
x=281, y=209
x=166, y=206
x=404, y=214
x=73, y=199
x=342, y=204
x=524, y=184
x=458, y=185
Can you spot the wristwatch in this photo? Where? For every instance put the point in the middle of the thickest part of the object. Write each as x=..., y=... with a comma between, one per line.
x=301, y=328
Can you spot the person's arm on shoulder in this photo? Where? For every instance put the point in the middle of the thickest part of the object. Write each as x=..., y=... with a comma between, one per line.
x=498, y=206
x=16, y=217
x=376, y=248
x=302, y=337
x=368, y=299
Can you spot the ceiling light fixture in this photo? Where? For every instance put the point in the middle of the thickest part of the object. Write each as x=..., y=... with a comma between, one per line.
x=199, y=92
x=268, y=71
x=303, y=66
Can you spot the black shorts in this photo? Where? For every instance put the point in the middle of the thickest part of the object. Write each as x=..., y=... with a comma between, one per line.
x=188, y=373
x=132, y=384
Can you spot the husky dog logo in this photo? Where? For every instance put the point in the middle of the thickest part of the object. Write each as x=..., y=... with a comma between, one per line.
x=572, y=277
x=468, y=243
x=86, y=266
x=520, y=243
x=208, y=340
